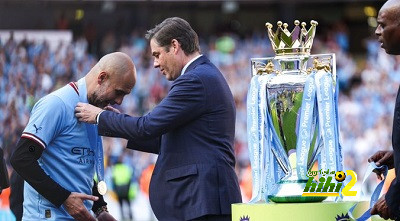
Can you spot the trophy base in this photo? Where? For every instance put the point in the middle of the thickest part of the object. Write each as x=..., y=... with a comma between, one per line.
x=299, y=211
x=296, y=199
x=290, y=191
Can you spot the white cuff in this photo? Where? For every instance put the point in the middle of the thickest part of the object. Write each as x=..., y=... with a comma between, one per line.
x=98, y=116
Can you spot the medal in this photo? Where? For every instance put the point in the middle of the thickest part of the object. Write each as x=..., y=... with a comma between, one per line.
x=102, y=187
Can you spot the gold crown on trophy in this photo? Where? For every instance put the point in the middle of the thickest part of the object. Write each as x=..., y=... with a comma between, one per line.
x=297, y=42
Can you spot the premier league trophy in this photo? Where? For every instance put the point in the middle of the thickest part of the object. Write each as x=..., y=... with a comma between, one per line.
x=292, y=116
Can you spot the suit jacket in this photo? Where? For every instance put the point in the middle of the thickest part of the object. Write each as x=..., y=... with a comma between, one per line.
x=393, y=194
x=192, y=130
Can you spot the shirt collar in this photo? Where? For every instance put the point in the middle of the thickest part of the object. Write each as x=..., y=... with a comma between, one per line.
x=187, y=64
x=82, y=90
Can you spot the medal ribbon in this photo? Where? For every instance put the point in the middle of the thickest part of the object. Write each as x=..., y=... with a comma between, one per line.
x=253, y=134
x=305, y=132
x=375, y=195
x=94, y=139
x=327, y=122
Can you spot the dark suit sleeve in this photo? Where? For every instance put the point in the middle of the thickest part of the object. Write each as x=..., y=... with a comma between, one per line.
x=392, y=197
x=150, y=146
x=184, y=102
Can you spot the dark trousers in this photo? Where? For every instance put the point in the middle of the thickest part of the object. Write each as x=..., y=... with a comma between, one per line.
x=121, y=201
x=214, y=218
x=17, y=195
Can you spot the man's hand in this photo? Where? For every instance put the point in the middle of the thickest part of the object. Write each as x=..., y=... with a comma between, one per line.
x=382, y=158
x=105, y=216
x=380, y=208
x=86, y=112
x=75, y=207
x=110, y=108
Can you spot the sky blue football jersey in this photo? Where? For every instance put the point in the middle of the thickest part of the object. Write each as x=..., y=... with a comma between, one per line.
x=68, y=158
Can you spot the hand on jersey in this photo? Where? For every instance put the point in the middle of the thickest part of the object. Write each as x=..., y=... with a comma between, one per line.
x=75, y=207
x=87, y=113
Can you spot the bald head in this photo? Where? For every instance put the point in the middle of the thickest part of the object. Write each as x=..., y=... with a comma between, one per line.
x=117, y=62
x=392, y=8
x=388, y=30
x=393, y=4
x=110, y=79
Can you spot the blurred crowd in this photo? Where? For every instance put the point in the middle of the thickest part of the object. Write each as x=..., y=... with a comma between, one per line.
x=368, y=87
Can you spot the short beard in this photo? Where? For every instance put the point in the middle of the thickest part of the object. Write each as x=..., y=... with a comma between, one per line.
x=93, y=100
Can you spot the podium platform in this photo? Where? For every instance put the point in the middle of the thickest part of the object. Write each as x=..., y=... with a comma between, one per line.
x=325, y=211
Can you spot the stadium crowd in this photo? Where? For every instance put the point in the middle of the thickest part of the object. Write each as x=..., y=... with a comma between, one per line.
x=368, y=86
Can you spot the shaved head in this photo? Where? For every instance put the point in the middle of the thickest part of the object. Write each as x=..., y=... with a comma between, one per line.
x=111, y=79
x=392, y=8
x=117, y=63
x=388, y=30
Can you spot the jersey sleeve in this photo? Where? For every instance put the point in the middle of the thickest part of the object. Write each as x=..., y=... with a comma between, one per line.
x=46, y=120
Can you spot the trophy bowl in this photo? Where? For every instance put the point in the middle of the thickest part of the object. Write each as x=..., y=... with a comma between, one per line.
x=284, y=99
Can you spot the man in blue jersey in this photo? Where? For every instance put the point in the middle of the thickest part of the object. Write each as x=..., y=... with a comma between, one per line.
x=57, y=154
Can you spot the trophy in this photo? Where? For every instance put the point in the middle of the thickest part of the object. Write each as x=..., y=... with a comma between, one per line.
x=292, y=116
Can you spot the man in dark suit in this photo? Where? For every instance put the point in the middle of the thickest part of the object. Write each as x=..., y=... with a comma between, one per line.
x=192, y=130
x=388, y=32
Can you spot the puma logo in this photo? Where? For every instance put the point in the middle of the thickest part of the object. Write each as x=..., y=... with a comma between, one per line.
x=36, y=128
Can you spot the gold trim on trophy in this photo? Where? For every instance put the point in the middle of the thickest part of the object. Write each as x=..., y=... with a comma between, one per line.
x=269, y=68
x=320, y=65
x=297, y=42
